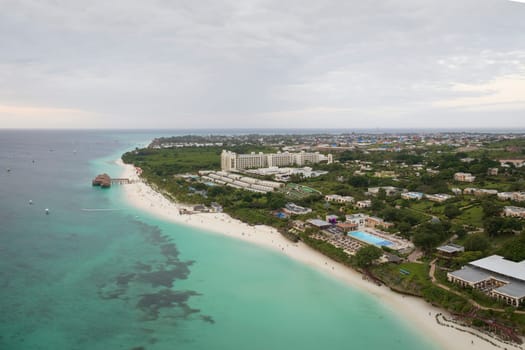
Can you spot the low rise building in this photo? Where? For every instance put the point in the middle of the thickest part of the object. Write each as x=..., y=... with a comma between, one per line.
x=514, y=211
x=347, y=226
x=513, y=196
x=320, y=224
x=456, y=191
x=374, y=221
x=480, y=191
x=492, y=172
x=464, y=177
x=357, y=219
x=518, y=163
x=412, y=195
x=294, y=209
x=338, y=199
x=239, y=181
x=333, y=219
x=385, y=173
x=389, y=190
x=364, y=220
x=505, y=195
x=450, y=249
x=438, y=197
x=499, y=278
x=364, y=204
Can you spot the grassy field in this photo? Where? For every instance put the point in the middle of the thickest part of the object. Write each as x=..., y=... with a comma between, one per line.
x=396, y=275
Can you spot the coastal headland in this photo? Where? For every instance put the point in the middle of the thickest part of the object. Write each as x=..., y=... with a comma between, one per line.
x=427, y=319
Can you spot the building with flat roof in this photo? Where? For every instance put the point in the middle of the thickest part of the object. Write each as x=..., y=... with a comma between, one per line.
x=294, y=209
x=513, y=211
x=358, y=219
x=231, y=161
x=347, y=226
x=500, y=278
x=518, y=163
x=338, y=199
x=364, y=204
x=438, y=197
x=450, y=249
x=464, y=177
x=320, y=224
x=412, y=195
x=389, y=190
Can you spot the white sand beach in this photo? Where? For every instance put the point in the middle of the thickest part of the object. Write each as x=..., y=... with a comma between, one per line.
x=419, y=314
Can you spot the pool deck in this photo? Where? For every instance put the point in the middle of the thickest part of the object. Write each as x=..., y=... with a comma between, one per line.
x=398, y=243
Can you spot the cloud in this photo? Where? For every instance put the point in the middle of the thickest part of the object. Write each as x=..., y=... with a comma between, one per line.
x=25, y=116
x=499, y=94
x=230, y=63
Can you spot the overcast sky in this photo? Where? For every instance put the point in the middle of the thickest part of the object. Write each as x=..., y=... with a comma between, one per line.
x=262, y=64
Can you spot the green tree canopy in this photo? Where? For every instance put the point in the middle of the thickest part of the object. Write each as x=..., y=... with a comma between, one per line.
x=366, y=255
x=515, y=248
x=451, y=211
x=476, y=242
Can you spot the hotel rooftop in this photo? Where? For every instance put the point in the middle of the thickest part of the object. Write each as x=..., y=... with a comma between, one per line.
x=500, y=278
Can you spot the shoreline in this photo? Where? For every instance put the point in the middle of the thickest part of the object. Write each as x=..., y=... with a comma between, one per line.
x=417, y=313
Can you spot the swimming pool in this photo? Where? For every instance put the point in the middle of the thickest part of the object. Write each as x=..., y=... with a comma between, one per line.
x=370, y=239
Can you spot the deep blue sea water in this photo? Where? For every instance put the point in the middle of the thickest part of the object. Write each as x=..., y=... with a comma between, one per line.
x=120, y=279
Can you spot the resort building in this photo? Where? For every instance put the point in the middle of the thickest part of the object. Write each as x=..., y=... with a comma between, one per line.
x=450, y=249
x=492, y=172
x=319, y=224
x=456, y=191
x=384, y=173
x=364, y=204
x=357, y=219
x=499, y=278
x=412, y=195
x=464, y=177
x=513, y=196
x=231, y=161
x=239, y=181
x=518, y=163
x=389, y=190
x=333, y=219
x=364, y=220
x=439, y=197
x=505, y=195
x=338, y=199
x=479, y=191
x=284, y=174
x=347, y=226
x=374, y=221
x=513, y=211
x=294, y=209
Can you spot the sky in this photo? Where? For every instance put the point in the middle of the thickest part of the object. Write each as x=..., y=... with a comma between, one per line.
x=262, y=64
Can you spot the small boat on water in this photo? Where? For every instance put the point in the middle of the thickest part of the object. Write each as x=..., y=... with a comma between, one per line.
x=47, y=211
x=30, y=202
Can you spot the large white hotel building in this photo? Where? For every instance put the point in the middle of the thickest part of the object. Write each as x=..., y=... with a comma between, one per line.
x=231, y=161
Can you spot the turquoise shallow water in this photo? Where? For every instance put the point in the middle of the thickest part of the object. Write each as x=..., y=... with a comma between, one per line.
x=121, y=279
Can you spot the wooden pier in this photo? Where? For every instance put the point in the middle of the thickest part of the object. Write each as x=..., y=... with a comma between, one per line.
x=120, y=181
x=105, y=181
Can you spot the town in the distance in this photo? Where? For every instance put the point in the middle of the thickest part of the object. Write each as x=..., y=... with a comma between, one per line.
x=436, y=215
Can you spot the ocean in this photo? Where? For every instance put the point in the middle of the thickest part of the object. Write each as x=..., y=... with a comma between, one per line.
x=85, y=278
